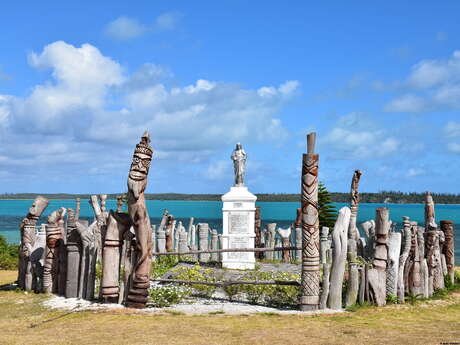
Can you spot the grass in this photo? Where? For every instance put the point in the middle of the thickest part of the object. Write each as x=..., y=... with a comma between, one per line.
x=432, y=322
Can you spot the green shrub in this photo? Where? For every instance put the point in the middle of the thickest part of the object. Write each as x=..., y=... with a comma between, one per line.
x=162, y=265
x=196, y=273
x=272, y=295
x=392, y=299
x=166, y=295
x=9, y=255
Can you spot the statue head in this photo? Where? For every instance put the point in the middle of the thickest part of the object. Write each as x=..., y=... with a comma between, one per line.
x=238, y=147
x=447, y=226
x=38, y=206
x=137, y=178
x=141, y=159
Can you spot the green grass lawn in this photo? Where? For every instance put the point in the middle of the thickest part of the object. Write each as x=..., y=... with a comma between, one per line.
x=23, y=320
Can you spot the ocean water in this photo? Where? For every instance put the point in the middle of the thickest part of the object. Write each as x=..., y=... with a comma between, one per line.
x=283, y=213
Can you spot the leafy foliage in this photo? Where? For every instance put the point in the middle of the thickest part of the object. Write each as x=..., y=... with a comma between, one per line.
x=196, y=273
x=9, y=255
x=327, y=211
x=166, y=295
x=272, y=295
x=162, y=265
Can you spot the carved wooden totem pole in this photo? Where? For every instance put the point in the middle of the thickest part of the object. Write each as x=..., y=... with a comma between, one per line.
x=407, y=239
x=353, y=237
x=137, y=182
x=53, y=235
x=309, y=289
x=447, y=226
x=377, y=275
x=27, y=229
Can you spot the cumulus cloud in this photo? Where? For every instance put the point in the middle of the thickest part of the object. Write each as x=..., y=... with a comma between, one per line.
x=436, y=84
x=355, y=136
x=125, y=28
x=91, y=111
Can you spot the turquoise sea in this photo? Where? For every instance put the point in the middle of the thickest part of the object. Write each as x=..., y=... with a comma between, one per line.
x=283, y=213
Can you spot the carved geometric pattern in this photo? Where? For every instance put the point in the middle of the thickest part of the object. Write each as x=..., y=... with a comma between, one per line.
x=310, y=228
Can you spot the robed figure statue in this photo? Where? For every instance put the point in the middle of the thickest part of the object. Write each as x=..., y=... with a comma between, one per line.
x=239, y=164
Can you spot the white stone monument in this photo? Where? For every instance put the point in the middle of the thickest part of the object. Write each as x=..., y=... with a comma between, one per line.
x=238, y=218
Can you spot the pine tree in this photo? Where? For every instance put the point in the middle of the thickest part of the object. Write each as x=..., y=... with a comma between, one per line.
x=327, y=211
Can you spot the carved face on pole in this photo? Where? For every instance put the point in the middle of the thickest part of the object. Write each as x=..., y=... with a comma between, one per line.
x=37, y=207
x=137, y=179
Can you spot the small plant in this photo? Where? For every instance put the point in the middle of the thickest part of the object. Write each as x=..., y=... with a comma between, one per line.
x=166, y=295
x=196, y=273
x=355, y=307
x=414, y=298
x=392, y=299
x=440, y=294
x=162, y=265
x=232, y=291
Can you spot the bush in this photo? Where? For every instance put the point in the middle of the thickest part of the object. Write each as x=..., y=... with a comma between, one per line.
x=272, y=295
x=9, y=255
x=166, y=295
x=162, y=265
x=196, y=273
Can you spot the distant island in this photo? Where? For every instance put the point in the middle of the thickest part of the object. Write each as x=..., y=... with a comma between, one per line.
x=380, y=197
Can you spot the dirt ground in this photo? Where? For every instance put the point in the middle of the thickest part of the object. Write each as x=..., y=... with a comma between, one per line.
x=23, y=320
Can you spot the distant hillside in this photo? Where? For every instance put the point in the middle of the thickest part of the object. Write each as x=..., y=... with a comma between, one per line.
x=381, y=197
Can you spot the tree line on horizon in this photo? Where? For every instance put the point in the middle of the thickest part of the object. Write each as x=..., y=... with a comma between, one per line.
x=380, y=197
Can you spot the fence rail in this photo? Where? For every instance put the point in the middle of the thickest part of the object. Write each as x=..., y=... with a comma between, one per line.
x=229, y=250
x=229, y=282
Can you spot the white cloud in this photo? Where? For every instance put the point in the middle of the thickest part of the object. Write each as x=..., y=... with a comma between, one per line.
x=218, y=170
x=406, y=103
x=91, y=111
x=413, y=172
x=125, y=28
x=454, y=147
x=355, y=136
x=436, y=84
x=452, y=129
x=167, y=21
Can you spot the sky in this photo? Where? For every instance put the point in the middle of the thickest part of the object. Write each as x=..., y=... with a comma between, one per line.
x=379, y=82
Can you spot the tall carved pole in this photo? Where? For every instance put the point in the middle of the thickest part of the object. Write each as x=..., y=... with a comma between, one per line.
x=447, y=226
x=73, y=247
x=353, y=237
x=354, y=204
x=377, y=275
x=27, y=229
x=430, y=220
x=407, y=240
x=309, y=289
x=53, y=235
x=137, y=182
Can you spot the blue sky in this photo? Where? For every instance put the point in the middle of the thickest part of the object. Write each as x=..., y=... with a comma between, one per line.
x=378, y=81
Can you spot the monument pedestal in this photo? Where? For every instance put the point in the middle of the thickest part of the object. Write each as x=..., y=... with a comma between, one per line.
x=238, y=227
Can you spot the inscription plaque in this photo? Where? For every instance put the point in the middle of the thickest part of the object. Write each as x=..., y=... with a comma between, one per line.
x=238, y=222
x=238, y=242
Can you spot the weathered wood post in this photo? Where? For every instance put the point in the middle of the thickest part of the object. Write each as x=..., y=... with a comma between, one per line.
x=339, y=258
x=353, y=237
x=137, y=182
x=73, y=247
x=407, y=239
x=377, y=275
x=270, y=242
x=309, y=289
x=27, y=229
x=447, y=226
x=394, y=248
x=285, y=235
x=203, y=232
x=53, y=235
